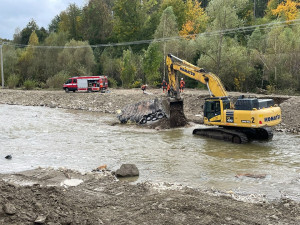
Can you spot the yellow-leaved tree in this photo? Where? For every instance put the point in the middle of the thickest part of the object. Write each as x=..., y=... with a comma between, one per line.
x=287, y=10
x=196, y=19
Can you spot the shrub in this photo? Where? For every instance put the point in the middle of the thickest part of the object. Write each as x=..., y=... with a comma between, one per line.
x=112, y=82
x=13, y=81
x=29, y=84
x=136, y=84
x=57, y=80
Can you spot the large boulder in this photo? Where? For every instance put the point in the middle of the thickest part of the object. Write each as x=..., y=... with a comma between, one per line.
x=127, y=170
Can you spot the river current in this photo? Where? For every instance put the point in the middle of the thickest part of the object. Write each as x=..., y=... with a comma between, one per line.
x=80, y=140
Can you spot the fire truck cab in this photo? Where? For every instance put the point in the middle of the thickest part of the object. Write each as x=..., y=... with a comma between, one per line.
x=86, y=83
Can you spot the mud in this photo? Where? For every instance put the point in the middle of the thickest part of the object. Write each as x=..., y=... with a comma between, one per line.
x=101, y=199
x=47, y=196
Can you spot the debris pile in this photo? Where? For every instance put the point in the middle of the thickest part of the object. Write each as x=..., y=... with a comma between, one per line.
x=142, y=112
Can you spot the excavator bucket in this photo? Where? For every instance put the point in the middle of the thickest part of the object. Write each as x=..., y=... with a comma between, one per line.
x=174, y=112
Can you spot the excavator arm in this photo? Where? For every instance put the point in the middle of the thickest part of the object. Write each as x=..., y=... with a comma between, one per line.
x=214, y=85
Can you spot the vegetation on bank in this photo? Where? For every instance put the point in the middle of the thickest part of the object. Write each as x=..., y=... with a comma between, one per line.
x=81, y=41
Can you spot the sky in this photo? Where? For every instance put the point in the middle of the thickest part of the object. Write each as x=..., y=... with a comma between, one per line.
x=18, y=13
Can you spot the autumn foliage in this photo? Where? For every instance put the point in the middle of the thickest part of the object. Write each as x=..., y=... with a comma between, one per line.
x=287, y=10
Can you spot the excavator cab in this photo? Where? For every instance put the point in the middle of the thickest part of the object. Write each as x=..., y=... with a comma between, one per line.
x=214, y=107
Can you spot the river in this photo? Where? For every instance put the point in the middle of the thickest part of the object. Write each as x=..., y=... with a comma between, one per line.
x=81, y=140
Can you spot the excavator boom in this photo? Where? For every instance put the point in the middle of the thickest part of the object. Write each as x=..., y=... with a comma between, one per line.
x=214, y=85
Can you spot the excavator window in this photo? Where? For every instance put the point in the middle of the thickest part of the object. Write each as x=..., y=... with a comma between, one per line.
x=212, y=109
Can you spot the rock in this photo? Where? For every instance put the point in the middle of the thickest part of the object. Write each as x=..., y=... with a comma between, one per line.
x=9, y=209
x=41, y=219
x=8, y=157
x=127, y=170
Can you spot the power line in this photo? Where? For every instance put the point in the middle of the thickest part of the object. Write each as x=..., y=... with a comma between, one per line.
x=166, y=39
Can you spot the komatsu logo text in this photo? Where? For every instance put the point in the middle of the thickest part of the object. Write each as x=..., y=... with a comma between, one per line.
x=272, y=118
x=187, y=71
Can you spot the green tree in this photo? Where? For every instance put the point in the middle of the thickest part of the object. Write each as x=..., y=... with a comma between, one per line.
x=97, y=22
x=179, y=10
x=77, y=58
x=128, y=69
x=10, y=60
x=234, y=70
x=27, y=31
x=223, y=15
x=54, y=25
x=151, y=63
x=50, y=63
x=111, y=66
x=167, y=29
x=27, y=59
x=71, y=22
x=128, y=20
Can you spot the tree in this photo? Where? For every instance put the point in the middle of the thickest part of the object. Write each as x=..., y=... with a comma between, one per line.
x=151, y=63
x=10, y=60
x=27, y=31
x=179, y=8
x=27, y=58
x=195, y=19
x=97, y=22
x=111, y=66
x=223, y=15
x=70, y=21
x=234, y=69
x=50, y=63
x=54, y=25
x=128, y=69
x=77, y=58
x=167, y=29
x=128, y=20
x=287, y=10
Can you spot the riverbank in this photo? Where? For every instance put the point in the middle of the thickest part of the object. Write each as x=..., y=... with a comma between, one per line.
x=46, y=196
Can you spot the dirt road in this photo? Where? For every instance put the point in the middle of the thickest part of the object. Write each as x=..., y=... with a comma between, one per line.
x=46, y=196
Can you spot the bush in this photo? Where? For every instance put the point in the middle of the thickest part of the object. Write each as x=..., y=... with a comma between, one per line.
x=57, y=80
x=29, y=84
x=13, y=81
x=112, y=82
x=136, y=84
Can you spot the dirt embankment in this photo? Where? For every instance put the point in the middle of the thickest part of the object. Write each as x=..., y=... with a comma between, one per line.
x=100, y=199
x=46, y=196
x=118, y=98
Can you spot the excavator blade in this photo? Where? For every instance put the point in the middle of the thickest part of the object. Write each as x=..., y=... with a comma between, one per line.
x=174, y=112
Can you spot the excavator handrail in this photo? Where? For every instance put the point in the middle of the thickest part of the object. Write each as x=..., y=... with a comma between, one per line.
x=214, y=84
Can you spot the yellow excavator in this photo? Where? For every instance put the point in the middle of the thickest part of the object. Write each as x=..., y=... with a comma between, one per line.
x=245, y=120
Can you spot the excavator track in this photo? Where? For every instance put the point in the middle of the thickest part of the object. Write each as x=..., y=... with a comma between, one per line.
x=221, y=133
x=236, y=135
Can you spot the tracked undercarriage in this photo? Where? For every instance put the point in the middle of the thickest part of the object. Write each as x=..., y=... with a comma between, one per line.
x=236, y=135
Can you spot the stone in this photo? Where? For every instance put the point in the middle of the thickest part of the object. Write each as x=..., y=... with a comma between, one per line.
x=9, y=209
x=127, y=170
x=41, y=219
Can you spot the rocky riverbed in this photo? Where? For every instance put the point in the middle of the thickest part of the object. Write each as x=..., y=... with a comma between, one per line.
x=48, y=196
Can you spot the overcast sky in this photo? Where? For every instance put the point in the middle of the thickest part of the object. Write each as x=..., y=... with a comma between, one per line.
x=17, y=13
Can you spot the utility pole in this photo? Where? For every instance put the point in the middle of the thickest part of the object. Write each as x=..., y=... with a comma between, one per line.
x=2, y=73
x=164, y=49
x=254, y=7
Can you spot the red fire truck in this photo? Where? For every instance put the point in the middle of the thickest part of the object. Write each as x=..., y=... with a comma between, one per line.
x=86, y=83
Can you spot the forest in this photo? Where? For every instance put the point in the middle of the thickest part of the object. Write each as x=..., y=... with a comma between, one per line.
x=252, y=45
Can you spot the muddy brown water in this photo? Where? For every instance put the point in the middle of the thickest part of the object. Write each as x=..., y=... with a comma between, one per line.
x=80, y=140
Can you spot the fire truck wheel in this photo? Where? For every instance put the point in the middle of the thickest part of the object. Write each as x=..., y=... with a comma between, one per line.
x=67, y=90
